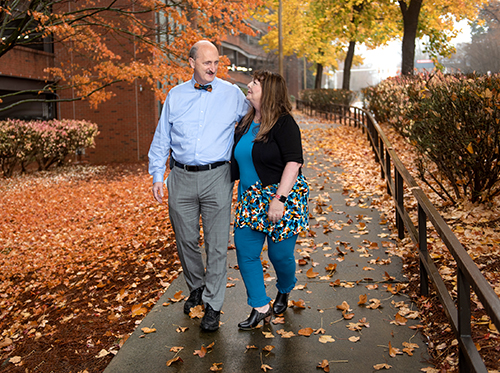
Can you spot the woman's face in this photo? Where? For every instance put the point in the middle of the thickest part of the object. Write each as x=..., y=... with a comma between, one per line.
x=254, y=93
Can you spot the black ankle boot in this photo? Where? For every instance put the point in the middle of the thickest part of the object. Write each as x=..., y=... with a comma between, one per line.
x=255, y=318
x=281, y=303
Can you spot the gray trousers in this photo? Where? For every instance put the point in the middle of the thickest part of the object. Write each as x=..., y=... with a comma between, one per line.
x=207, y=194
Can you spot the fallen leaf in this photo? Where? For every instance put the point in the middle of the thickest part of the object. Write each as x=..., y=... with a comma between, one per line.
x=324, y=365
x=394, y=351
x=197, y=312
x=147, y=330
x=265, y=367
x=102, y=353
x=268, y=348
x=177, y=297
x=326, y=338
x=201, y=352
x=306, y=332
x=138, y=309
x=278, y=320
x=354, y=339
x=175, y=359
x=362, y=298
x=216, y=367
x=311, y=274
x=15, y=359
x=382, y=366
x=5, y=342
x=181, y=329
x=176, y=349
x=285, y=334
x=268, y=334
x=320, y=331
x=299, y=304
x=344, y=306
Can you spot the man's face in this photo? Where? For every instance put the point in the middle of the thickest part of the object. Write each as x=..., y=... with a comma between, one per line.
x=205, y=65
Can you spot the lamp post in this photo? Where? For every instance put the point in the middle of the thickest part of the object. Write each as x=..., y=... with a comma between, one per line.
x=280, y=37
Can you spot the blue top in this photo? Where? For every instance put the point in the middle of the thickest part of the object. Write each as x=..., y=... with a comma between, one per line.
x=243, y=155
x=197, y=125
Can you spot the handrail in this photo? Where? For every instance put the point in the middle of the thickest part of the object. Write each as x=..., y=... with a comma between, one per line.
x=468, y=274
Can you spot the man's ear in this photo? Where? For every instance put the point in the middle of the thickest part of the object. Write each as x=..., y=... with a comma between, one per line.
x=191, y=62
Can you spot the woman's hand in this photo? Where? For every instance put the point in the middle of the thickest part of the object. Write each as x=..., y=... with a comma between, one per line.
x=276, y=210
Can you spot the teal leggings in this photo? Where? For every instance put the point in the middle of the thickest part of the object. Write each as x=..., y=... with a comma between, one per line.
x=249, y=245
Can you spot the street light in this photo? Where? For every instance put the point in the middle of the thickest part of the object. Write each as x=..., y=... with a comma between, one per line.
x=280, y=37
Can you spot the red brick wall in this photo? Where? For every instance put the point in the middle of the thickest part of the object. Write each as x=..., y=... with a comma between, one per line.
x=26, y=63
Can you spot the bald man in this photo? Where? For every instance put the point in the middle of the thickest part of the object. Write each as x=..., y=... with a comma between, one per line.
x=197, y=126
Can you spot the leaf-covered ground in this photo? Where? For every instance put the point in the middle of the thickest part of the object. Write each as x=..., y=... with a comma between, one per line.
x=476, y=226
x=85, y=252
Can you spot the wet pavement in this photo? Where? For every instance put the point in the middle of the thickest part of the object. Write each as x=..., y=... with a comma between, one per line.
x=349, y=234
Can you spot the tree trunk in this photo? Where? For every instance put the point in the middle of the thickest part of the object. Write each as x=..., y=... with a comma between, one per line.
x=410, y=26
x=346, y=82
x=319, y=76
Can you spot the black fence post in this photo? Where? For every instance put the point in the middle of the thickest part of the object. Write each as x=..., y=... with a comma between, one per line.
x=400, y=204
x=464, y=328
x=422, y=246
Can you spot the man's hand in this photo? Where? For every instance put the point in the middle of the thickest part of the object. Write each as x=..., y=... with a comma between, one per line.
x=158, y=191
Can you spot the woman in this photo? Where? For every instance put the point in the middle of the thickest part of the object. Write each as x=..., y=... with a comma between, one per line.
x=272, y=193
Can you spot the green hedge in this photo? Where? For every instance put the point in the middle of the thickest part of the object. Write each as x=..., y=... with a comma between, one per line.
x=45, y=142
x=453, y=121
x=324, y=99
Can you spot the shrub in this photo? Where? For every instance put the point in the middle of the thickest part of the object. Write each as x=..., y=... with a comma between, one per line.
x=325, y=99
x=453, y=121
x=44, y=142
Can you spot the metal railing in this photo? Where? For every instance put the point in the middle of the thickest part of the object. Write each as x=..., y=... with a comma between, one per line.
x=467, y=274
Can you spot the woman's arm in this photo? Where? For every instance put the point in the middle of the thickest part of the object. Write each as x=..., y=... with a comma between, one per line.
x=288, y=179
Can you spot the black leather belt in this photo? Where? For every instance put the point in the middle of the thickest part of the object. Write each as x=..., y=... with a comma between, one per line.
x=205, y=167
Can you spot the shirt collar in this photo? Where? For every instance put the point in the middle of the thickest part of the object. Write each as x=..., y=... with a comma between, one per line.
x=214, y=82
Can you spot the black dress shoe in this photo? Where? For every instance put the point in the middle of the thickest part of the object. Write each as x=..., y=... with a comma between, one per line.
x=255, y=318
x=210, y=321
x=281, y=303
x=194, y=299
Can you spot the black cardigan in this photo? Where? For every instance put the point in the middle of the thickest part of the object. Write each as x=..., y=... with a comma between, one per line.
x=269, y=158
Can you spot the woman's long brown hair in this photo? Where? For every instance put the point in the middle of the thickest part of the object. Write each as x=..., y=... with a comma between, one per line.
x=274, y=103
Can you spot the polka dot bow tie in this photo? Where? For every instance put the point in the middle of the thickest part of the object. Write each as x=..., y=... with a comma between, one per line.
x=207, y=87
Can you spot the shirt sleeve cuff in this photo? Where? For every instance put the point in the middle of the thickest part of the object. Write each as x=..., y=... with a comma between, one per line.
x=157, y=178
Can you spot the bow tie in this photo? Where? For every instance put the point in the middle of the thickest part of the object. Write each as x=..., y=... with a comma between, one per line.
x=207, y=87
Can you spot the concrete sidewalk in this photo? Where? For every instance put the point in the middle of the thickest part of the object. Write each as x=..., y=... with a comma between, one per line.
x=358, y=234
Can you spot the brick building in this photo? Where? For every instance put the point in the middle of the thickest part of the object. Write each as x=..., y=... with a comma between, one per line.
x=128, y=120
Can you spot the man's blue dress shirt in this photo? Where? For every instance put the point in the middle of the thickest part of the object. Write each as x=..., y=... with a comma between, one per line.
x=197, y=125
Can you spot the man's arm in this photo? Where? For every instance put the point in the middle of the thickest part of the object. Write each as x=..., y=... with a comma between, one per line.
x=159, y=152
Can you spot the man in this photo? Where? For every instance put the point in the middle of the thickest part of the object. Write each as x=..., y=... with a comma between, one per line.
x=197, y=125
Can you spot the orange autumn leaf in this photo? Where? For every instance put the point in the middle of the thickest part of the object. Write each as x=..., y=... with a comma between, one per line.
x=177, y=297
x=394, y=351
x=311, y=274
x=197, y=312
x=299, y=304
x=325, y=365
x=174, y=360
x=201, y=352
x=306, y=332
x=362, y=299
x=138, y=309
x=335, y=283
x=344, y=306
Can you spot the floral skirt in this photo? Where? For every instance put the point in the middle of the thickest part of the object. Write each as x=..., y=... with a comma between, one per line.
x=252, y=207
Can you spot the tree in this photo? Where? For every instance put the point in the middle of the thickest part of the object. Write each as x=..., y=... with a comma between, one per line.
x=436, y=20
x=303, y=33
x=100, y=43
